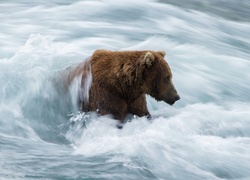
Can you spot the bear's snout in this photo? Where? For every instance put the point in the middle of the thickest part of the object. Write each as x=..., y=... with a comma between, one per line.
x=171, y=98
x=171, y=95
x=172, y=101
x=177, y=97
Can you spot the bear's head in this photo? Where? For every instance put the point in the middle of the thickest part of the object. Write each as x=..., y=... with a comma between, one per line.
x=158, y=78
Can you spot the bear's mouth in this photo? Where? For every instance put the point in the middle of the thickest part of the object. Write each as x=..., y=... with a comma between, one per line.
x=172, y=103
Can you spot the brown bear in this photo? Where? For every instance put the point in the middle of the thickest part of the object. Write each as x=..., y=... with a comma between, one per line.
x=119, y=81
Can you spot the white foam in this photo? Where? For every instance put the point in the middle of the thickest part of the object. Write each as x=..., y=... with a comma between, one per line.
x=200, y=140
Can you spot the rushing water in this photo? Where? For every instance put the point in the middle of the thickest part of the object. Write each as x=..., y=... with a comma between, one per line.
x=205, y=135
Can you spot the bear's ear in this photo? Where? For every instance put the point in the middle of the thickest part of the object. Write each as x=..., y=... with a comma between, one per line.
x=162, y=53
x=148, y=59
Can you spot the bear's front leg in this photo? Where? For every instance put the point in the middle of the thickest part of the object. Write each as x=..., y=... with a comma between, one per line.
x=118, y=111
x=104, y=102
x=139, y=107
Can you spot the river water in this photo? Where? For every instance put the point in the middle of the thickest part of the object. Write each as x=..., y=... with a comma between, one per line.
x=205, y=135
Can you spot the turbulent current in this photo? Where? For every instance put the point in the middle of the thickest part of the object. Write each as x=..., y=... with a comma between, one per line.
x=205, y=135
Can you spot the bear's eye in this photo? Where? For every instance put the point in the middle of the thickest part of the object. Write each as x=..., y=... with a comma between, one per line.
x=167, y=78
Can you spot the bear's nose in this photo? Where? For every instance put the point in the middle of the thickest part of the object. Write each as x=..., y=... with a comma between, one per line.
x=177, y=98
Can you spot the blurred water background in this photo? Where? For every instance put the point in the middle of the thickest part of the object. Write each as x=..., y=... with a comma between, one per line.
x=205, y=135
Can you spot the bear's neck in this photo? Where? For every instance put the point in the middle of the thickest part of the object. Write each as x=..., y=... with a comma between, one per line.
x=130, y=93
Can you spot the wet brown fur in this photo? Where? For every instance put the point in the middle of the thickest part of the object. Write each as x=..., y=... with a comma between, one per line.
x=122, y=78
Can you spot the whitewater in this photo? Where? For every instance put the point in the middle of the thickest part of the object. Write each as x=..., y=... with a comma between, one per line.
x=205, y=135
